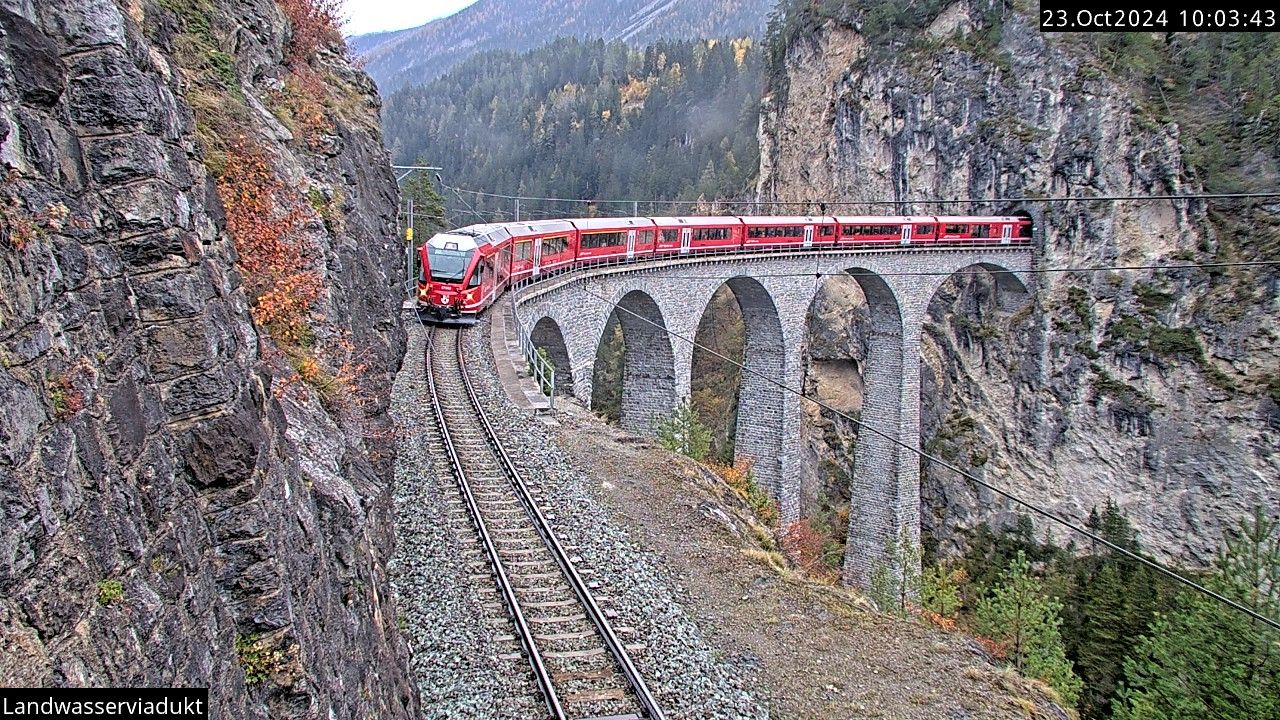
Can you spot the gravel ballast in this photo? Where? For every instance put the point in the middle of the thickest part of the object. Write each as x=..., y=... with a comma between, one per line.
x=445, y=602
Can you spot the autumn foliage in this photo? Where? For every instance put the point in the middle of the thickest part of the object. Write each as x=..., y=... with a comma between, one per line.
x=302, y=102
x=743, y=481
x=806, y=548
x=315, y=25
x=265, y=219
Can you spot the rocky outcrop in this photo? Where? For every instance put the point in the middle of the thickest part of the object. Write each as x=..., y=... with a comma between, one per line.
x=178, y=504
x=1155, y=387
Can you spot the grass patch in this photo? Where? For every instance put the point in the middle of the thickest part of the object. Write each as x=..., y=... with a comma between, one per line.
x=257, y=658
x=1104, y=385
x=110, y=592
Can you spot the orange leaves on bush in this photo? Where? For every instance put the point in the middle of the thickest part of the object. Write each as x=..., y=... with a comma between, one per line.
x=301, y=105
x=315, y=25
x=804, y=546
x=997, y=650
x=743, y=482
x=938, y=621
x=264, y=217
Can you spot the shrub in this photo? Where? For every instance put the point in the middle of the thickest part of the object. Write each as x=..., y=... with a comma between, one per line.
x=110, y=592
x=64, y=397
x=743, y=481
x=301, y=105
x=315, y=25
x=1175, y=342
x=265, y=219
x=805, y=546
x=257, y=658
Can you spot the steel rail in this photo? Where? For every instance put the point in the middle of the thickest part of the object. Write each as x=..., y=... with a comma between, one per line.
x=523, y=630
x=646, y=697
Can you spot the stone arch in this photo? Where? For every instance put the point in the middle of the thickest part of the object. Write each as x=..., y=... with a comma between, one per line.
x=648, y=363
x=967, y=334
x=759, y=429
x=880, y=505
x=547, y=335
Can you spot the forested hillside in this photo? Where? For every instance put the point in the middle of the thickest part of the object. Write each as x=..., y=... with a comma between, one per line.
x=590, y=120
x=421, y=54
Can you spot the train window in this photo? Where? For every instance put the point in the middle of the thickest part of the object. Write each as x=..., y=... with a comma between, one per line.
x=1024, y=230
x=978, y=231
x=601, y=240
x=645, y=237
x=554, y=245
x=828, y=230
x=924, y=230
x=956, y=229
x=524, y=250
x=796, y=231
x=448, y=266
x=670, y=236
x=711, y=234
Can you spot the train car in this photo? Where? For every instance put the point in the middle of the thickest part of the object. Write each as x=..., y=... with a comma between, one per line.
x=613, y=239
x=683, y=235
x=983, y=230
x=780, y=232
x=540, y=247
x=880, y=230
x=463, y=271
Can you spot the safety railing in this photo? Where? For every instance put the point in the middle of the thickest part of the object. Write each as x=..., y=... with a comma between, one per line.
x=540, y=366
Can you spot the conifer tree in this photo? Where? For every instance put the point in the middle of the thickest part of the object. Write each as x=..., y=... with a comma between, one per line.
x=684, y=433
x=1208, y=660
x=428, y=206
x=1017, y=617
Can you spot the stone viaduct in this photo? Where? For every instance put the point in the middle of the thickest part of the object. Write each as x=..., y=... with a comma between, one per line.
x=659, y=302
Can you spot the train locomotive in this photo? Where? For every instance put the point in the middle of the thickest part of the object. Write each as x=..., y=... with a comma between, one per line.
x=465, y=270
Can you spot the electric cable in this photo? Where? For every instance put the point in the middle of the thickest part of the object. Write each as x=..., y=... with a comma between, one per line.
x=1003, y=493
x=933, y=201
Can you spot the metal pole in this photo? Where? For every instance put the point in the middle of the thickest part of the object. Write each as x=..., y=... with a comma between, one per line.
x=635, y=208
x=517, y=209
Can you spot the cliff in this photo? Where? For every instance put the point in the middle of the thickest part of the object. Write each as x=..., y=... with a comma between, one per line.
x=198, y=338
x=1157, y=387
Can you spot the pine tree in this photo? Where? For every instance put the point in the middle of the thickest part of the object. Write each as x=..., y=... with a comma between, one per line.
x=682, y=432
x=428, y=206
x=1017, y=617
x=1208, y=660
x=940, y=589
x=895, y=583
x=1112, y=601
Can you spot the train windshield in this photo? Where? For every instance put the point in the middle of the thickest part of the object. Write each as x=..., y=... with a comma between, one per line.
x=448, y=265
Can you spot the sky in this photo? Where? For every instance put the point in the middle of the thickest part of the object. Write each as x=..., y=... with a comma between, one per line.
x=366, y=16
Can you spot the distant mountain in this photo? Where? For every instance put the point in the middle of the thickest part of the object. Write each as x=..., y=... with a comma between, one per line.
x=421, y=54
x=587, y=119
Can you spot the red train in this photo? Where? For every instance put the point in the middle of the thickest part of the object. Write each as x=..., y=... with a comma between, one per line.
x=465, y=270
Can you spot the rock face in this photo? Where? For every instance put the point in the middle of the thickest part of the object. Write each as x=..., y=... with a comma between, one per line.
x=1155, y=387
x=176, y=507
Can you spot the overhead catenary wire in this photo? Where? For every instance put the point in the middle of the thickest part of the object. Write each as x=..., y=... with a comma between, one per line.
x=937, y=273
x=894, y=203
x=1076, y=527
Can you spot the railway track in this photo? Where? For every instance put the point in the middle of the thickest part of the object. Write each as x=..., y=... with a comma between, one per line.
x=579, y=665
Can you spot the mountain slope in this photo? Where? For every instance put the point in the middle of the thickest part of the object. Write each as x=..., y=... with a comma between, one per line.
x=578, y=119
x=421, y=54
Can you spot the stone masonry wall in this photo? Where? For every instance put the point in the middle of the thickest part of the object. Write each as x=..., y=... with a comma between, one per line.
x=899, y=285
